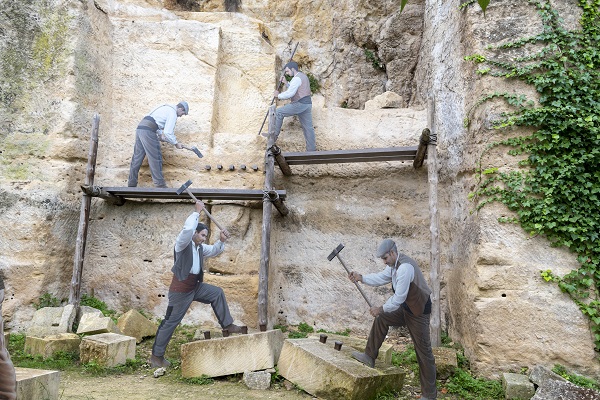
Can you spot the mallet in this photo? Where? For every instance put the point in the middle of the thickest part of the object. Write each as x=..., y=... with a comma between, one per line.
x=186, y=188
x=336, y=253
x=190, y=148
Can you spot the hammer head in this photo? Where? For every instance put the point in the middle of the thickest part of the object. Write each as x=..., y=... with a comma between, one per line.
x=183, y=187
x=335, y=252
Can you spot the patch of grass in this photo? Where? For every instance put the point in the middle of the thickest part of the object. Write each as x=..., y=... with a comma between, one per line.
x=315, y=86
x=345, y=332
x=282, y=328
x=203, y=380
x=305, y=328
x=575, y=379
x=388, y=395
x=407, y=358
x=47, y=300
x=98, y=304
x=467, y=387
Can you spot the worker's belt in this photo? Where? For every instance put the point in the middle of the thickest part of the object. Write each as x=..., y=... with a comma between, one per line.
x=148, y=124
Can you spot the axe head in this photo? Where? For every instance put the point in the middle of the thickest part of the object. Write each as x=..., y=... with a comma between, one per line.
x=335, y=252
x=183, y=187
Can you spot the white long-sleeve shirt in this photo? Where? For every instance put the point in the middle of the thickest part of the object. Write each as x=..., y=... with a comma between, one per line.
x=185, y=237
x=293, y=87
x=165, y=117
x=401, y=277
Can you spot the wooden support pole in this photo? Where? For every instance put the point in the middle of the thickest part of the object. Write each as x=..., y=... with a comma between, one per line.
x=98, y=191
x=84, y=215
x=432, y=172
x=263, y=271
x=278, y=202
x=281, y=161
x=422, y=149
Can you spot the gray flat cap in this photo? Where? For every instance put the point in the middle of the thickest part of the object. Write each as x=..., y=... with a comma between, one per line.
x=385, y=247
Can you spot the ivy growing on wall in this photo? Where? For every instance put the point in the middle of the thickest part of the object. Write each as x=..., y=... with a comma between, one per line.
x=556, y=190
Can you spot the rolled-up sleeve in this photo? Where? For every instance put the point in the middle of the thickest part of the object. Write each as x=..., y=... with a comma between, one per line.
x=185, y=236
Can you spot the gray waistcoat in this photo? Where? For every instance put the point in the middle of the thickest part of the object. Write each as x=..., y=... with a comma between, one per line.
x=419, y=291
x=184, y=261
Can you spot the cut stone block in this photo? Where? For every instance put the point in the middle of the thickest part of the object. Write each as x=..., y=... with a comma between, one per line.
x=87, y=310
x=91, y=324
x=49, y=345
x=107, y=349
x=445, y=362
x=37, y=384
x=258, y=380
x=327, y=373
x=231, y=355
x=52, y=321
x=517, y=386
x=132, y=323
x=358, y=344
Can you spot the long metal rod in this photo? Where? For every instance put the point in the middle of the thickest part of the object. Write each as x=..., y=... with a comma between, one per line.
x=278, y=87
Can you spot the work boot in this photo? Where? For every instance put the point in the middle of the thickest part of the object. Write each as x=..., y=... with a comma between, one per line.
x=157, y=362
x=233, y=328
x=364, y=358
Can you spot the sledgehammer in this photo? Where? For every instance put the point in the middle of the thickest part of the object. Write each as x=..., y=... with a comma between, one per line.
x=186, y=187
x=336, y=253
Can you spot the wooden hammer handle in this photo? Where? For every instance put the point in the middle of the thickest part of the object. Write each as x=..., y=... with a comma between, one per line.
x=206, y=211
x=357, y=286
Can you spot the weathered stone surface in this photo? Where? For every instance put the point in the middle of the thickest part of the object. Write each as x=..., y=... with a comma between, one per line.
x=331, y=374
x=52, y=321
x=221, y=356
x=540, y=374
x=92, y=324
x=37, y=384
x=257, y=380
x=385, y=351
x=445, y=361
x=517, y=386
x=552, y=390
x=132, y=323
x=49, y=345
x=107, y=349
x=385, y=100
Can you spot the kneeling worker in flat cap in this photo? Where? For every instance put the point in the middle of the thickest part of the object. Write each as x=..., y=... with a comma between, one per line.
x=188, y=286
x=410, y=306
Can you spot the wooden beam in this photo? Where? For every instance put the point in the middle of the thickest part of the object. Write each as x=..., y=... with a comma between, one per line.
x=351, y=156
x=283, y=165
x=265, y=251
x=84, y=216
x=434, y=273
x=278, y=202
x=171, y=193
x=98, y=191
x=422, y=149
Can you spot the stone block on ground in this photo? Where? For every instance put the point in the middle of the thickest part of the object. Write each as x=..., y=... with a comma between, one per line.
x=385, y=100
x=445, y=362
x=327, y=373
x=134, y=324
x=33, y=384
x=52, y=321
x=83, y=310
x=50, y=345
x=107, y=349
x=358, y=344
x=92, y=323
x=257, y=380
x=231, y=355
x=517, y=386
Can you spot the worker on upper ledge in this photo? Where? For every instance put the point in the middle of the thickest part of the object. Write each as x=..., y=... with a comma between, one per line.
x=298, y=92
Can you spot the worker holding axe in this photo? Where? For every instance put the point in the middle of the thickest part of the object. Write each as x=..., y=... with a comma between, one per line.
x=187, y=284
x=409, y=306
x=158, y=124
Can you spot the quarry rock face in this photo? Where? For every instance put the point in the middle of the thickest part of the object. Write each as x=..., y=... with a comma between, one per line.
x=121, y=59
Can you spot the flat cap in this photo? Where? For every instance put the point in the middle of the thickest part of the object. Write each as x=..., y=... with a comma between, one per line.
x=385, y=247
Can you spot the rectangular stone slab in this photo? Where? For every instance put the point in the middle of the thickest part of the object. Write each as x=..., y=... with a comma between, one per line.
x=107, y=349
x=37, y=383
x=231, y=355
x=327, y=373
x=49, y=345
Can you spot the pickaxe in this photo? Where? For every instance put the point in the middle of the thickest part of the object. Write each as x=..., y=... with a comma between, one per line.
x=192, y=148
x=186, y=188
x=336, y=253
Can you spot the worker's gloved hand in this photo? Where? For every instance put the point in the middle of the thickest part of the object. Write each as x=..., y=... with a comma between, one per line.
x=355, y=277
x=178, y=145
x=224, y=235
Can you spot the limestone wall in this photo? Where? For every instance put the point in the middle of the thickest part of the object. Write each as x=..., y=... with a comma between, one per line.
x=122, y=58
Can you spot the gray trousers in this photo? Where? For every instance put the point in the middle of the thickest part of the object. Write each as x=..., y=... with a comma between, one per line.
x=419, y=333
x=304, y=113
x=146, y=144
x=179, y=303
x=8, y=380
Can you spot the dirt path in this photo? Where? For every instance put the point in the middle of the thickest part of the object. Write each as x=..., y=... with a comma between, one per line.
x=143, y=386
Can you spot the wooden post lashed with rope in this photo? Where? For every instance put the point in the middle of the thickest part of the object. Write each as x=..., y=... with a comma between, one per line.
x=84, y=216
x=434, y=273
x=265, y=248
